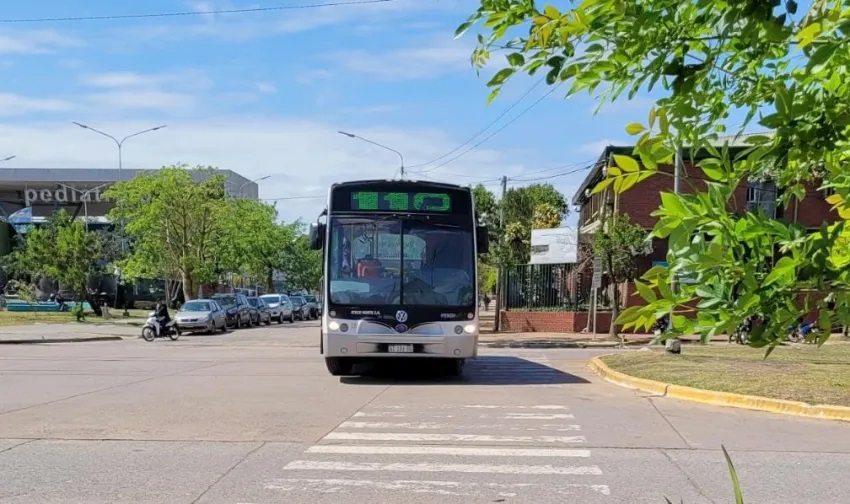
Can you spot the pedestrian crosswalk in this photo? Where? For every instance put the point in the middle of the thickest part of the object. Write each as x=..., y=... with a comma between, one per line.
x=430, y=450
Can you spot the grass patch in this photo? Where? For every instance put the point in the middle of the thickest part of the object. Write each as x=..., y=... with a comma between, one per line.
x=8, y=318
x=797, y=373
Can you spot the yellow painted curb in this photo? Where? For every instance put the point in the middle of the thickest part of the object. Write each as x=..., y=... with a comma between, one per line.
x=720, y=398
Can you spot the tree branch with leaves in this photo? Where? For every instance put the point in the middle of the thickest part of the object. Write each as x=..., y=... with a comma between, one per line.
x=784, y=69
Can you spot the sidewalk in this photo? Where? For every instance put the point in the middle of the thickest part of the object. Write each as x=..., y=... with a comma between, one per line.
x=571, y=340
x=66, y=333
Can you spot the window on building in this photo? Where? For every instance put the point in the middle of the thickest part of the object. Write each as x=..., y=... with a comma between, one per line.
x=762, y=195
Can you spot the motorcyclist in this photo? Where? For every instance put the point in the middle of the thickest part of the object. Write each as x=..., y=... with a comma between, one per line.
x=161, y=313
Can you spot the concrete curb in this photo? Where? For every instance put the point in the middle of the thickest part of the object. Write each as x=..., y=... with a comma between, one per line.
x=83, y=339
x=557, y=344
x=781, y=406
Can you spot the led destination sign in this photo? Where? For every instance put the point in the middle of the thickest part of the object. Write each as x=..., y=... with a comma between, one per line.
x=395, y=201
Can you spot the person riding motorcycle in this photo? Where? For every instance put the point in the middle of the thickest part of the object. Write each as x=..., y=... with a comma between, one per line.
x=161, y=314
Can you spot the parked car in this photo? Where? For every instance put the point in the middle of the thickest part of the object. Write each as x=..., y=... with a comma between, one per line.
x=237, y=309
x=300, y=308
x=201, y=315
x=280, y=307
x=315, y=306
x=262, y=310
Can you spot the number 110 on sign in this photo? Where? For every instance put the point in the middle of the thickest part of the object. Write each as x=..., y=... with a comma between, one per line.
x=397, y=201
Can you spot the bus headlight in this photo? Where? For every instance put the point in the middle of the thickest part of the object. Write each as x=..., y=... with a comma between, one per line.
x=470, y=328
x=333, y=325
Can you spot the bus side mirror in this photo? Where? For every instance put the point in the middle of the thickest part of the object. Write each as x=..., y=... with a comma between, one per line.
x=482, y=238
x=317, y=235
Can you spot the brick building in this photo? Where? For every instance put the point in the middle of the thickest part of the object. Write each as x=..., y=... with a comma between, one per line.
x=642, y=199
x=639, y=202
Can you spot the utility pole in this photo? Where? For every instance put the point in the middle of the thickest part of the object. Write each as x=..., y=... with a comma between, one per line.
x=674, y=345
x=501, y=276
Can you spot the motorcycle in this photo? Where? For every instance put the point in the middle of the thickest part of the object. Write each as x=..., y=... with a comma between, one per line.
x=153, y=329
x=741, y=333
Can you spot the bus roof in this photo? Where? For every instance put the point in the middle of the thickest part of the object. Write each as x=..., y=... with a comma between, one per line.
x=413, y=183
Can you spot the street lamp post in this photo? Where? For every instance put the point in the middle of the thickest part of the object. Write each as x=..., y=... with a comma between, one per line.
x=84, y=197
x=400, y=157
x=250, y=182
x=9, y=158
x=119, y=143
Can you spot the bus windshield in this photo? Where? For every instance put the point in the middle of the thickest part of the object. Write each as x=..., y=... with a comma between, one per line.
x=375, y=261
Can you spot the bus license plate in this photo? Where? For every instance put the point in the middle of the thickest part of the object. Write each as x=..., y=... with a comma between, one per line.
x=400, y=348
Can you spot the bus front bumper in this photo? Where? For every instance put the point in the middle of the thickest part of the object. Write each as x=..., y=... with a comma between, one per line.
x=398, y=346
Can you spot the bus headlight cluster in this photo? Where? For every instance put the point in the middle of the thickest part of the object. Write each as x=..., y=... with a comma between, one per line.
x=470, y=328
x=333, y=325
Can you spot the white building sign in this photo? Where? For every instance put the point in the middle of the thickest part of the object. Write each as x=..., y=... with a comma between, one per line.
x=63, y=194
x=554, y=246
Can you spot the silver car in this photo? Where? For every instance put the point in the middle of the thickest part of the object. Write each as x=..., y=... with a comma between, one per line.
x=280, y=307
x=201, y=315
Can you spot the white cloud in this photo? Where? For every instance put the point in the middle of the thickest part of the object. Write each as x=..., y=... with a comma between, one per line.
x=313, y=75
x=166, y=91
x=143, y=100
x=303, y=157
x=596, y=148
x=254, y=25
x=422, y=61
x=14, y=104
x=184, y=79
x=266, y=87
x=35, y=41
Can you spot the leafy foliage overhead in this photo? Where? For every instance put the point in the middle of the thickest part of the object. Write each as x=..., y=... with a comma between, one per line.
x=784, y=67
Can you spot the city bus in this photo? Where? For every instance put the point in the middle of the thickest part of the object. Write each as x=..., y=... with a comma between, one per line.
x=400, y=265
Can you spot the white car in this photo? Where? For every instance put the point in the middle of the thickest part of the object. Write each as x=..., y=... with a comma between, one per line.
x=201, y=315
x=280, y=307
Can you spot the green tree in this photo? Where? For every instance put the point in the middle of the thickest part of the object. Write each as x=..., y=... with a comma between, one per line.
x=519, y=205
x=487, y=277
x=618, y=244
x=253, y=240
x=65, y=251
x=302, y=266
x=546, y=216
x=175, y=219
x=707, y=60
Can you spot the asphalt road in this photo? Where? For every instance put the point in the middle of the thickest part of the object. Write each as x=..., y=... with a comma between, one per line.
x=253, y=416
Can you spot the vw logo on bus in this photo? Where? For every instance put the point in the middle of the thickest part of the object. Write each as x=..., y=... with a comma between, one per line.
x=401, y=316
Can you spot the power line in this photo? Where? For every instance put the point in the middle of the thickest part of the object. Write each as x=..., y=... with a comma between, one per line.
x=293, y=198
x=562, y=167
x=557, y=175
x=491, y=135
x=482, y=130
x=193, y=13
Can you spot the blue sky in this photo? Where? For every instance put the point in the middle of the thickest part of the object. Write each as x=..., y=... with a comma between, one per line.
x=265, y=93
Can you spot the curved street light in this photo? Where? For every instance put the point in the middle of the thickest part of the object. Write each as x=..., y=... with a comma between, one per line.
x=119, y=143
x=400, y=157
x=7, y=159
x=239, y=192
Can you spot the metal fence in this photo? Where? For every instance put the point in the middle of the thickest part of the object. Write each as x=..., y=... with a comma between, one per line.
x=543, y=287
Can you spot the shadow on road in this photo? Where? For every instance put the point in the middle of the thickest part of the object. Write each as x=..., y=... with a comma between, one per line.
x=489, y=370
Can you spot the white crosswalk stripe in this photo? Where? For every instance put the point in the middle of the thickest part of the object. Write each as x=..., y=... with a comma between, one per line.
x=483, y=452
